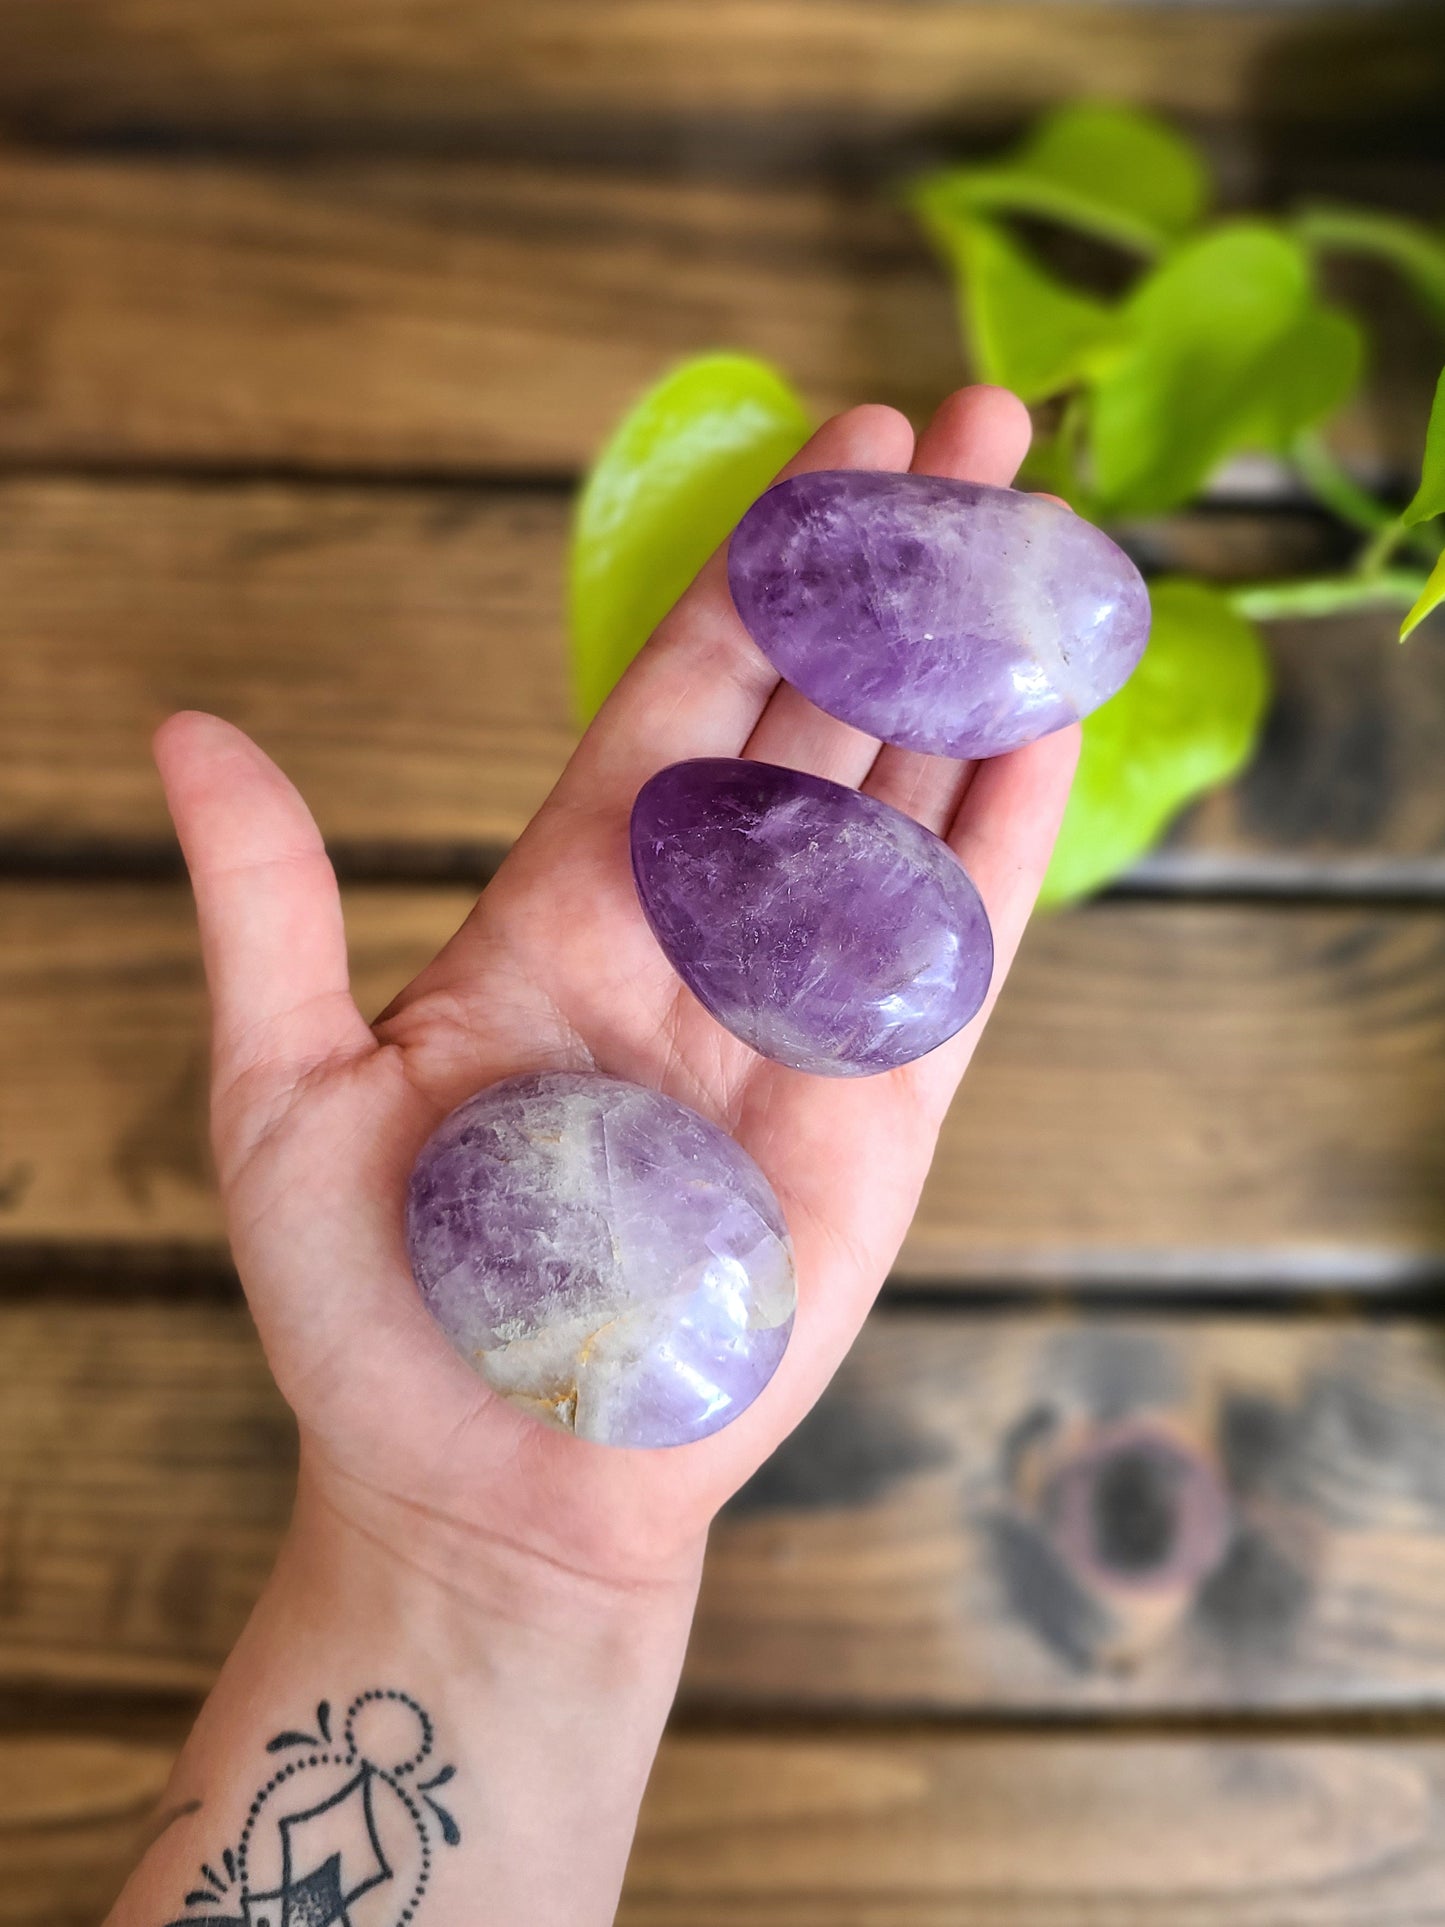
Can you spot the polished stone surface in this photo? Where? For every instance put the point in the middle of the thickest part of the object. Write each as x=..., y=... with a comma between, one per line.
x=603, y=1256
x=825, y=929
x=940, y=615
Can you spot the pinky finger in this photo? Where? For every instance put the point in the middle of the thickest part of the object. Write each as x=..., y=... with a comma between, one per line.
x=1005, y=828
x=1003, y=834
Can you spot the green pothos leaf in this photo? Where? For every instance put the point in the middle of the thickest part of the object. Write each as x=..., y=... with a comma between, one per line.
x=1206, y=336
x=1026, y=329
x=1430, y=599
x=1429, y=499
x=1108, y=171
x=1187, y=719
x=679, y=471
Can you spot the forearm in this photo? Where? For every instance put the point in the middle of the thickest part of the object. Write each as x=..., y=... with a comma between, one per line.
x=544, y=1695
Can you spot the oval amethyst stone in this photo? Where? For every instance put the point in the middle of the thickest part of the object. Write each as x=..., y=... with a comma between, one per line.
x=604, y=1257
x=825, y=929
x=940, y=615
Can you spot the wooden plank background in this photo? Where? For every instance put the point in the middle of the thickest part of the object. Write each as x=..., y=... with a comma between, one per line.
x=449, y=317
x=988, y=1513
x=901, y=1828
x=1103, y=1586
x=126, y=600
x=1225, y=1094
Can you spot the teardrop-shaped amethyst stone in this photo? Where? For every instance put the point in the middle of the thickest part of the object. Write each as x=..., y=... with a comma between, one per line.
x=822, y=927
x=940, y=615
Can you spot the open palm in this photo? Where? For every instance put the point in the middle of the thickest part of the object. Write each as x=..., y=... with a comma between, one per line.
x=318, y=1115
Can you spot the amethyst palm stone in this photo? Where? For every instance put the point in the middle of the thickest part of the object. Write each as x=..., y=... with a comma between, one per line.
x=940, y=615
x=604, y=1257
x=822, y=927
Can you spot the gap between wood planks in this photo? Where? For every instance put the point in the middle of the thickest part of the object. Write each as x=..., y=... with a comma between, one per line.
x=120, y=1273
x=1304, y=885
x=165, y=1718
x=783, y=82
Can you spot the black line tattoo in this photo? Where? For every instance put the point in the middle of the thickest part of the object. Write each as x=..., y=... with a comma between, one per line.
x=341, y=1833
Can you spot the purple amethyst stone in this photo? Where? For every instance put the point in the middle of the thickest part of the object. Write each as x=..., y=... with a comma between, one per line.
x=604, y=1257
x=822, y=927
x=940, y=615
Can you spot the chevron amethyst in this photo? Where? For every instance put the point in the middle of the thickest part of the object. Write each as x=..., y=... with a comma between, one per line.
x=604, y=1257
x=824, y=928
x=940, y=615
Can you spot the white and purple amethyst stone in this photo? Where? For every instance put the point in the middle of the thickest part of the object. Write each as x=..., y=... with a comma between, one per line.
x=940, y=615
x=604, y=1257
x=824, y=928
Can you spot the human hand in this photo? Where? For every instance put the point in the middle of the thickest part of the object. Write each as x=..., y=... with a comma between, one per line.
x=318, y=1116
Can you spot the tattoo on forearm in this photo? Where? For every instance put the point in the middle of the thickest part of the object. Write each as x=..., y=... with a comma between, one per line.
x=341, y=1834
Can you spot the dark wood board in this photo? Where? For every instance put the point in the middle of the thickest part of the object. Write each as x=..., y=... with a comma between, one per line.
x=76, y=1810
x=401, y=652
x=460, y=318
x=895, y=1829
x=454, y=318
x=934, y=1830
x=986, y=1514
x=1234, y=1094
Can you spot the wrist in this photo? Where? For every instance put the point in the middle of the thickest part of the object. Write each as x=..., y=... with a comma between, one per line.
x=539, y=1695
x=476, y=1589
x=549, y=1687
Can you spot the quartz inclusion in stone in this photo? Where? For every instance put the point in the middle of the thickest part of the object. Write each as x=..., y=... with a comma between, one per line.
x=824, y=928
x=940, y=615
x=603, y=1256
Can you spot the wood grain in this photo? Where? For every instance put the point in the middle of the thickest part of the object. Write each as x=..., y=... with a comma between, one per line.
x=74, y=1813
x=328, y=70
x=1234, y=1094
x=449, y=317
x=1054, y=1514
x=147, y=1464
x=985, y=1513
x=928, y=1831
x=400, y=651
x=459, y=317
x=899, y=1829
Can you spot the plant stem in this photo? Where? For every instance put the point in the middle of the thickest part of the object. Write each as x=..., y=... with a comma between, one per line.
x=1326, y=595
x=1327, y=481
x=1339, y=492
x=1424, y=541
x=1377, y=552
x=1413, y=248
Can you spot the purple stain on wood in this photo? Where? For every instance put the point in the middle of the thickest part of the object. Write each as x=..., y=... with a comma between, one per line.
x=1138, y=1510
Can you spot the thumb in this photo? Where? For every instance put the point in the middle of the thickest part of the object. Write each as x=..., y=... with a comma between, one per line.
x=270, y=920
